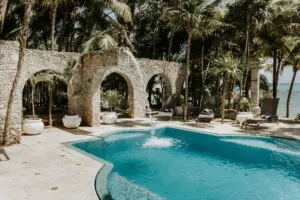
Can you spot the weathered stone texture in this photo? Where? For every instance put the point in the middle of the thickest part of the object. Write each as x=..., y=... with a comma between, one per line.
x=84, y=89
x=34, y=61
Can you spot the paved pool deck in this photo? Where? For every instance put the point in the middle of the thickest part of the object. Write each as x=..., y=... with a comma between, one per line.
x=42, y=168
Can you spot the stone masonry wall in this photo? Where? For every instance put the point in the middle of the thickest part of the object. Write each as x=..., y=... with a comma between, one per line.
x=84, y=90
x=34, y=61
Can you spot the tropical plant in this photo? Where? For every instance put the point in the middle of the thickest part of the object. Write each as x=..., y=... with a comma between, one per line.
x=293, y=59
x=100, y=40
x=112, y=98
x=244, y=104
x=7, y=124
x=34, y=80
x=190, y=14
x=228, y=68
x=53, y=4
x=273, y=34
x=249, y=16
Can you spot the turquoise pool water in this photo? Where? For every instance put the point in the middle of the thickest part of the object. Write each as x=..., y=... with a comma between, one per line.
x=181, y=164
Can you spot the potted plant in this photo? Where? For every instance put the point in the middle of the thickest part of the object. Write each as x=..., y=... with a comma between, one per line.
x=111, y=98
x=244, y=105
x=34, y=125
x=178, y=109
x=71, y=120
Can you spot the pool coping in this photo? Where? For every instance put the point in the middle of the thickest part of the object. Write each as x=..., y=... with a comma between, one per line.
x=100, y=181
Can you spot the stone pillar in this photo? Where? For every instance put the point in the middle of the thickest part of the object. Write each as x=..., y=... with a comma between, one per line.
x=255, y=89
x=9, y=55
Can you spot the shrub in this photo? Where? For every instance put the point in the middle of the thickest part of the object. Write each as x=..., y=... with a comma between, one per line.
x=112, y=98
x=244, y=105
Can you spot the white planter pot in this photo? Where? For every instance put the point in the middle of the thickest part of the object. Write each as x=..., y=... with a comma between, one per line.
x=109, y=117
x=71, y=121
x=33, y=126
x=178, y=110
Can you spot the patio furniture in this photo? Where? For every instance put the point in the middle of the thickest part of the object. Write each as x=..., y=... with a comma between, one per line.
x=268, y=113
x=2, y=151
x=207, y=115
x=243, y=116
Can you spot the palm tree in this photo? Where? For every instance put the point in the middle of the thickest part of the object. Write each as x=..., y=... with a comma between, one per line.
x=34, y=80
x=274, y=34
x=294, y=60
x=3, y=13
x=228, y=68
x=249, y=16
x=28, y=4
x=100, y=40
x=53, y=4
x=190, y=14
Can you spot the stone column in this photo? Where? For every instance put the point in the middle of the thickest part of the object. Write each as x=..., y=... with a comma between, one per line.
x=255, y=89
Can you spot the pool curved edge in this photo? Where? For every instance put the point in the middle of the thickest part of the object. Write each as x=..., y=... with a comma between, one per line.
x=100, y=181
x=100, y=184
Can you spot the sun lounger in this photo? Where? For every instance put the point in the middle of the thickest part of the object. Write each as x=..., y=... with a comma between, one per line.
x=207, y=115
x=268, y=113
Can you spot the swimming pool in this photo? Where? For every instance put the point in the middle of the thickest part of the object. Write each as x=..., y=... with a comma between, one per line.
x=184, y=164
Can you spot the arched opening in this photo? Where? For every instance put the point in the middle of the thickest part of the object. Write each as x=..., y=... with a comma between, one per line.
x=158, y=89
x=45, y=96
x=121, y=88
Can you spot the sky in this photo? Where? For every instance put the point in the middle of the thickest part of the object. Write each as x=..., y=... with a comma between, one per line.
x=285, y=77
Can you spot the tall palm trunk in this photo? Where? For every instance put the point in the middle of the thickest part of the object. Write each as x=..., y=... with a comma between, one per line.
x=276, y=77
x=201, y=81
x=3, y=13
x=290, y=94
x=32, y=101
x=170, y=45
x=18, y=72
x=50, y=104
x=188, y=51
x=224, y=91
x=53, y=22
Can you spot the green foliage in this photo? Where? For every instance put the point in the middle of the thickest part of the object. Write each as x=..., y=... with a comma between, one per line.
x=112, y=98
x=265, y=84
x=100, y=40
x=226, y=66
x=244, y=104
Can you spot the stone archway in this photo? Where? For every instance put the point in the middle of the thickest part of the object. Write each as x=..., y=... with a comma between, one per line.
x=84, y=93
x=165, y=88
x=50, y=99
x=130, y=99
x=95, y=67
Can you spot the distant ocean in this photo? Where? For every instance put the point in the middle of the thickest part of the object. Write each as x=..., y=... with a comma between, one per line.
x=295, y=99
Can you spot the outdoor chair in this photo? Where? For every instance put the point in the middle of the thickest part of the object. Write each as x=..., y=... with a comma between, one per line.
x=207, y=115
x=268, y=113
x=2, y=151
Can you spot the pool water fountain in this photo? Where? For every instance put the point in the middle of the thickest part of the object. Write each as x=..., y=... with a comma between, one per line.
x=154, y=141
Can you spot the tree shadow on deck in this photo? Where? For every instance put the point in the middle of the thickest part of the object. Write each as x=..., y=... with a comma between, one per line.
x=76, y=131
x=132, y=123
x=198, y=124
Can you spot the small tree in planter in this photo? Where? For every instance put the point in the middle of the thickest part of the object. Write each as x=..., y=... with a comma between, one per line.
x=35, y=125
x=111, y=98
x=72, y=120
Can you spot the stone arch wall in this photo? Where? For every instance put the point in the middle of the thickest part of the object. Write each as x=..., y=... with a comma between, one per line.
x=129, y=87
x=98, y=65
x=34, y=61
x=84, y=90
x=167, y=81
x=172, y=72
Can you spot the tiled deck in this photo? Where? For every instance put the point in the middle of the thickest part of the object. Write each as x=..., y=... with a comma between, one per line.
x=43, y=168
